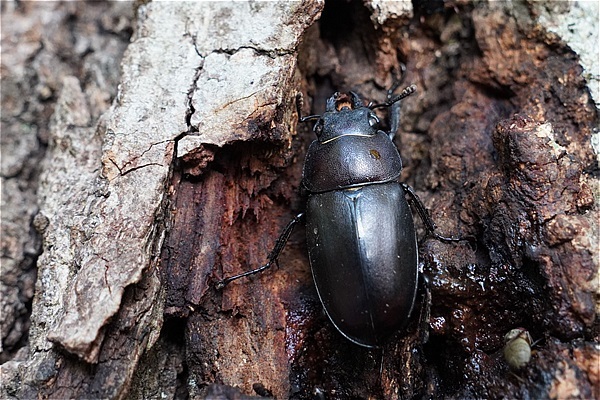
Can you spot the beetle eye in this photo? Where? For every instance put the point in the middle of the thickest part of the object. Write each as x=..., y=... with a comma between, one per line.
x=373, y=120
x=318, y=127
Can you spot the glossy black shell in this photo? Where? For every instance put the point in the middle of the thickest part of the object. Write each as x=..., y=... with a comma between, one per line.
x=359, y=227
x=363, y=256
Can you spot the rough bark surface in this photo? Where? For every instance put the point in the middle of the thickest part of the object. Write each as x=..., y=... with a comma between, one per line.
x=60, y=68
x=125, y=217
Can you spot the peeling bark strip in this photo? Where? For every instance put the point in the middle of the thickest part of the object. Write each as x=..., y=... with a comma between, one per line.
x=119, y=230
x=194, y=170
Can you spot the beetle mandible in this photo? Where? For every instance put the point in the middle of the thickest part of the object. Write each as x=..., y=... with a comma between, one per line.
x=361, y=240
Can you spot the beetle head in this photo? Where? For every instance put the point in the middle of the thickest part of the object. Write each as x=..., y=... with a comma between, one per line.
x=343, y=101
x=345, y=115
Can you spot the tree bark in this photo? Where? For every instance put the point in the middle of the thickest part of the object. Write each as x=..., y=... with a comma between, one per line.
x=129, y=215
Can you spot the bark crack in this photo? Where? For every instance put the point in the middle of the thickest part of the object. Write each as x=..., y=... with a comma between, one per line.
x=274, y=53
x=122, y=169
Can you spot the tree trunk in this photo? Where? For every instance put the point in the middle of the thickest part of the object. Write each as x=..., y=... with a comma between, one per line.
x=129, y=215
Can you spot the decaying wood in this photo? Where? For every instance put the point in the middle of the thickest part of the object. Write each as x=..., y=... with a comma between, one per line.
x=130, y=215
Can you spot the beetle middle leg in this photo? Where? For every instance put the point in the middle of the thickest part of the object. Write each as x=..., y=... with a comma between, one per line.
x=422, y=211
x=273, y=255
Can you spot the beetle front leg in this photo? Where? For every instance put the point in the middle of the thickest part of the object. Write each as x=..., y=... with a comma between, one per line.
x=299, y=103
x=273, y=255
x=422, y=211
x=395, y=108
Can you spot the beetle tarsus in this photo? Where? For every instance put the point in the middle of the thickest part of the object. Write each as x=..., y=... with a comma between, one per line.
x=222, y=283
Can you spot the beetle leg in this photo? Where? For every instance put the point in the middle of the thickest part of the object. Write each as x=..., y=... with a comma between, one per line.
x=422, y=211
x=425, y=315
x=273, y=255
x=299, y=103
x=394, y=118
x=394, y=103
x=395, y=109
x=398, y=81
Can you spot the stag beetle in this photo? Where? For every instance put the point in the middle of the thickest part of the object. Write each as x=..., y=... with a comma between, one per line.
x=361, y=240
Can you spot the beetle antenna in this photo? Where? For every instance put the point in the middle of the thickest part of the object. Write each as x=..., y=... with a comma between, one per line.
x=405, y=93
x=299, y=103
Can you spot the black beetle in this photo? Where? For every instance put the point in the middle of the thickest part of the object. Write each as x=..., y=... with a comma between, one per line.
x=360, y=234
